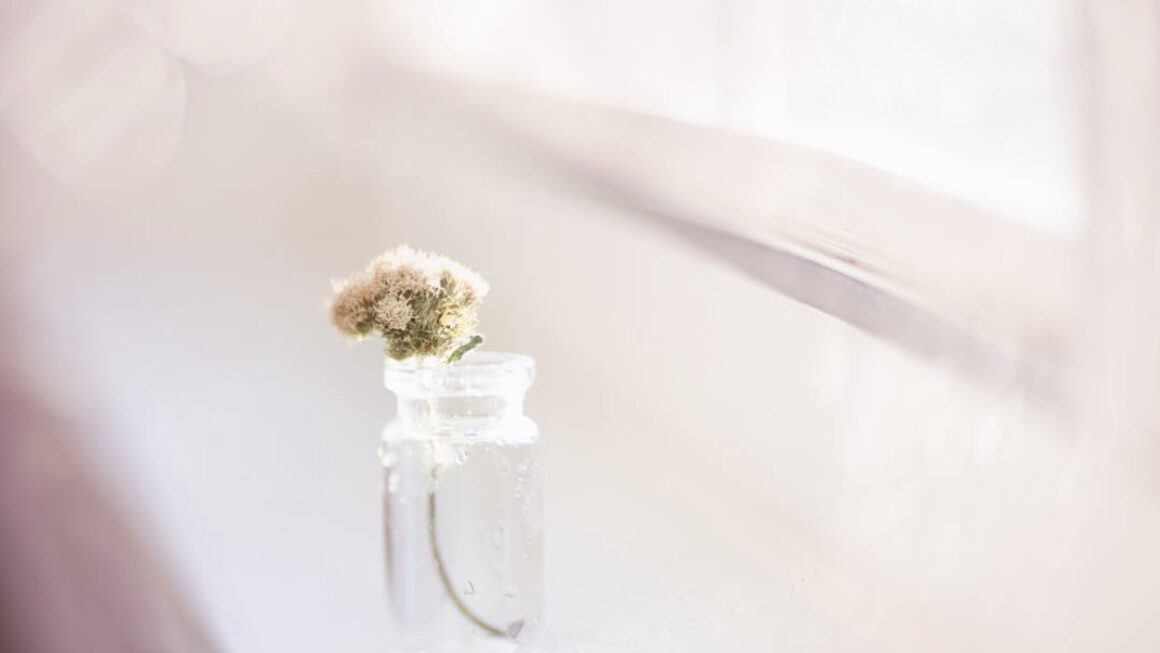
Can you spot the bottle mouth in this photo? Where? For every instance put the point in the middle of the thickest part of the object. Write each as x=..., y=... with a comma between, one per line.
x=477, y=373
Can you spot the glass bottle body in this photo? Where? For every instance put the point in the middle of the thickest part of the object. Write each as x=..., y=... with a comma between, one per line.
x=462, y=505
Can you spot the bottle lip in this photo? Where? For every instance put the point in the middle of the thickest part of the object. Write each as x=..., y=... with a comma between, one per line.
x=478, y=372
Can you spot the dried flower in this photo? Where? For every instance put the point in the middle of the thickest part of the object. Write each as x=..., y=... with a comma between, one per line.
x=393, y=312
x=422, y=304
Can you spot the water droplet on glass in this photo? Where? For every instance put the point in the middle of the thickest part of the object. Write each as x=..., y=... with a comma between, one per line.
x=387, y=456
x=497, y=537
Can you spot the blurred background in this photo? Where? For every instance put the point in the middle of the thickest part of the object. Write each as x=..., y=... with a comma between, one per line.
x=845, y=314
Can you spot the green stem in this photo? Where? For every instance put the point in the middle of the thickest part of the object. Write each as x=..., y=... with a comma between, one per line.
x=512, y=631
x=474, y=342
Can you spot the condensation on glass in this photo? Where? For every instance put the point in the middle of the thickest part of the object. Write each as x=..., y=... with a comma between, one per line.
x=462, y=505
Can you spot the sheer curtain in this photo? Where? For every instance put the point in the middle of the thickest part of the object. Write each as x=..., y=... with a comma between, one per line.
x=979, y=100
x=844, y=312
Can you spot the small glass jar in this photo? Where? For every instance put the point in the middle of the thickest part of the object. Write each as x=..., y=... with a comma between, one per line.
x=462, y=504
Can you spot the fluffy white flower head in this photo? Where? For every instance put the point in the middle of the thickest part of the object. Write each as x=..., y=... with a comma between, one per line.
x=409, y=269
x=422, y=304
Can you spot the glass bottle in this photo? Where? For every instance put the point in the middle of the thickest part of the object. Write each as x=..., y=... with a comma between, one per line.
x=462, y=504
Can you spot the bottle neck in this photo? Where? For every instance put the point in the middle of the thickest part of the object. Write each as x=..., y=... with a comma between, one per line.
x=457, y=414
x=479, y=393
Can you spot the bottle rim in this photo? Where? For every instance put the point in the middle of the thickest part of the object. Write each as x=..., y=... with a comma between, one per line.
x=478, y=372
